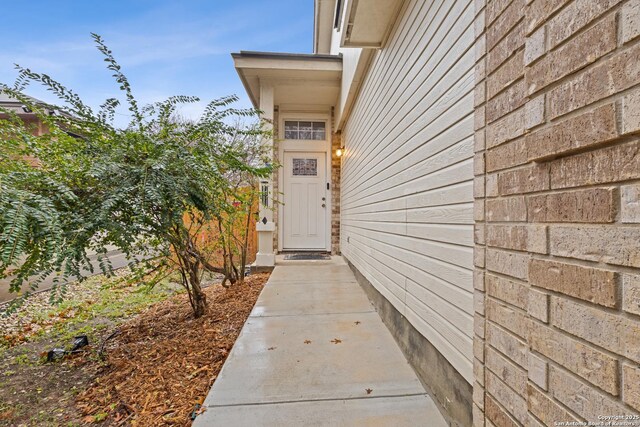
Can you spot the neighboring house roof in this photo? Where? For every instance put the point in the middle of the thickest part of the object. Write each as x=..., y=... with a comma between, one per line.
x=27, y=115
x=4, y=98
x=16, y=105
x=19, y=108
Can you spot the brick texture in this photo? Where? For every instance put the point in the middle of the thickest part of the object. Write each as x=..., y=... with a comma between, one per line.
x=581, y=397
x=594, y=205
x=589, y=128
x=631, y=386
x=531, y=238
x=512, y=402
x=631, y=112
x=497, y=415
x=506, y=155
x=508, y=318
x=597, y=41
x=508, y=100
x=586, y=361
x=538, y=305
x=510, y=291
x=509, y=72
x=613, y=332
x=506, y=209
x=512, y=375
x=509, y=263
x=557, y=160
x=574, y=16
x=630, y=211
x=537, y=371
x=535, y=46
x=523, y=180
x=505, y=22
x=507, y=128
x=596, y=285
x=603, y=79
x=508, y=344
x=631, y=293
x=612, y=245
x=630, y=21
x=545, y=409
x=511, y=43
x=606, y=165
x=538, y=12
x=336, y=169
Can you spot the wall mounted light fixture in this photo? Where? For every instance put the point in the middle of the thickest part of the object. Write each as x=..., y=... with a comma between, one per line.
x=340, y=152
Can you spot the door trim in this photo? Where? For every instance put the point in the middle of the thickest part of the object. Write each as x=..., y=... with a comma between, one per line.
x=305, y=146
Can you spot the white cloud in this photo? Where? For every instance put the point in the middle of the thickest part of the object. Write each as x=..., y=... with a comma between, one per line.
x=165, y=51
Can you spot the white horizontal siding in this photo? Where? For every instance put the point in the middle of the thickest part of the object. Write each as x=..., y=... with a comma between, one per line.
x=407, y=176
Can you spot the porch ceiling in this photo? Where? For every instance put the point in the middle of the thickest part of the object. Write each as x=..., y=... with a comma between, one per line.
x=298, y=79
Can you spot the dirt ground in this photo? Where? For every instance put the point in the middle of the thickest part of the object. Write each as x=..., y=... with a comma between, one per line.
x=149, y=362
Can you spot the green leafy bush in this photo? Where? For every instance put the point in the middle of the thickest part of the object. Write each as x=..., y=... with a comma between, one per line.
x=147, y=189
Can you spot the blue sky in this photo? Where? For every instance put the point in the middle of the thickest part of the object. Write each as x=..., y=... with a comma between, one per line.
x=166, y=47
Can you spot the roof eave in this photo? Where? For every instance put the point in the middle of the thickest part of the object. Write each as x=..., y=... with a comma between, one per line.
x=257, y=62
x=286, y=55
x=315, y=26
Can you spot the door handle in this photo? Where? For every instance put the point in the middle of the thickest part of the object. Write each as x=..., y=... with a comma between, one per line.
x=324, y=198
x=324, y=206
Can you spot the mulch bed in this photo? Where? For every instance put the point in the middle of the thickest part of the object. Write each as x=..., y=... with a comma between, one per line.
x=162, y=363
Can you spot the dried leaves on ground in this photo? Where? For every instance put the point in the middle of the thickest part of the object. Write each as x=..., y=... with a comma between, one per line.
x=161, y=364
x=156, y=367
x=36, y=393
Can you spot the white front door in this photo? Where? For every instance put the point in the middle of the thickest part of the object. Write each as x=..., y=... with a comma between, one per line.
x=304, y=222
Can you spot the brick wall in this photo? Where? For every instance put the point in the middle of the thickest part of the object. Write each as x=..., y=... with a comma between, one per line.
x=336, y=169
x=557, y=164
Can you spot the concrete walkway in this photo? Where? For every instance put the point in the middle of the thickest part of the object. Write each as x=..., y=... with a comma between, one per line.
x=315, y=353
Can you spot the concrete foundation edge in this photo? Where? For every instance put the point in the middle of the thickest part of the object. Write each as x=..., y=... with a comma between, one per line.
x=451, y=392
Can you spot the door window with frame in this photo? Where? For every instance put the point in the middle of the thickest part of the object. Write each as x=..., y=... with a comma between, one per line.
x=305, y=167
